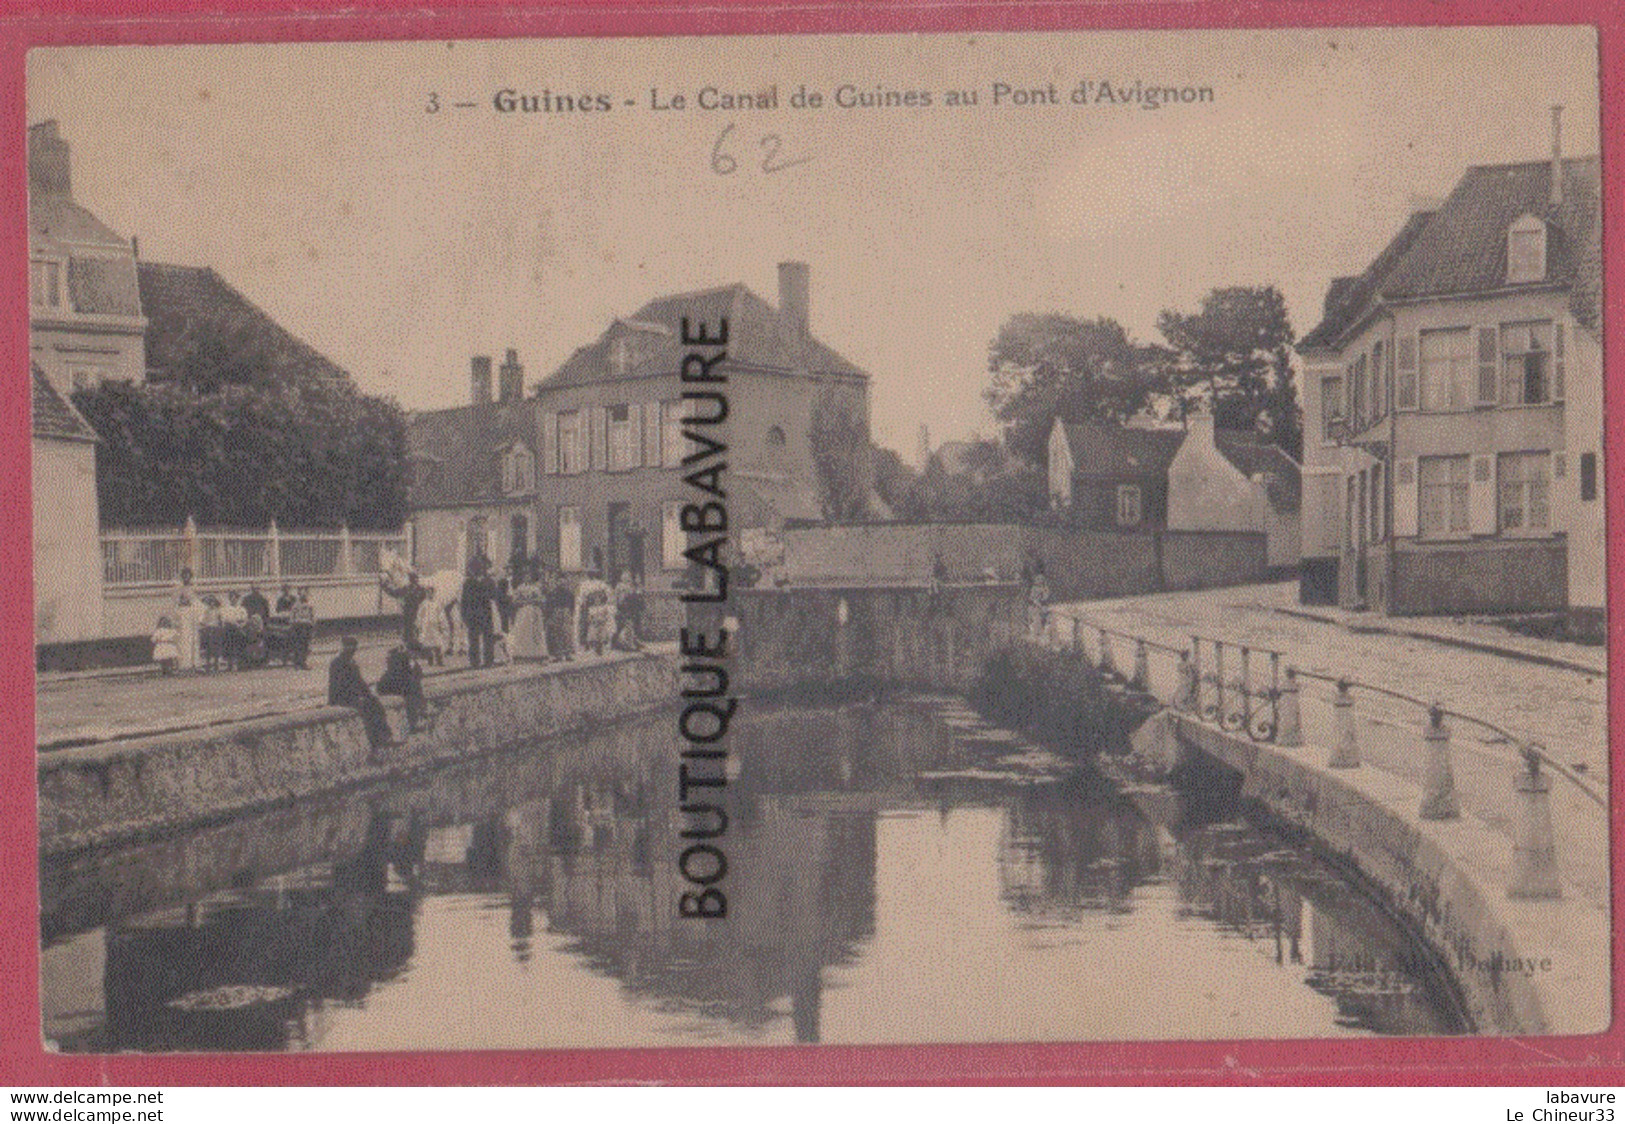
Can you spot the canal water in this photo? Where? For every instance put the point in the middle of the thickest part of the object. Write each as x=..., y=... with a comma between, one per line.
x=888, y=881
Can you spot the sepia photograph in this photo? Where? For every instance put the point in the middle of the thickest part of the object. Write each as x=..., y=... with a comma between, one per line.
x=759, y=540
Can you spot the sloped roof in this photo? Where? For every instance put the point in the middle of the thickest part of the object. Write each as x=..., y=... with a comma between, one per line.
x=198, y=325
x=456, y=453
x=1103, y=450
x=54, y=415
x=58, y=216
x=101, y=265
x=1254, y=456
x=1461, y=247
x=756, y=337
x=1348, y=297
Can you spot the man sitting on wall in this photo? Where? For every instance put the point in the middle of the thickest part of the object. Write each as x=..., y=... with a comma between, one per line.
x=403, y=676
x=347, y=687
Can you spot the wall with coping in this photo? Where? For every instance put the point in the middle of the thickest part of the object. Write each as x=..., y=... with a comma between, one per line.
x=1447, y=878
x=933, y=639
x=141, y=787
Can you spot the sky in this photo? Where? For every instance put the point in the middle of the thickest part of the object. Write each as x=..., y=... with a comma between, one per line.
x=399, y=241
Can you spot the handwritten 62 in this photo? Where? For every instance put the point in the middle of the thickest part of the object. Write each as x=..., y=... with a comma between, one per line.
x=724, y=163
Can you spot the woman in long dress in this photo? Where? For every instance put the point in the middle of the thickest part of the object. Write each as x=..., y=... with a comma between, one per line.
x=188, y=623
x=527, y=637
x=431, y=627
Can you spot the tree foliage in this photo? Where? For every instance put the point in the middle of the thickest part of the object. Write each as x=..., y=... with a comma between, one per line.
x=993, y=487
x=1049, y=365
x=315, y=456
x=1235, y=353
x=840, y=448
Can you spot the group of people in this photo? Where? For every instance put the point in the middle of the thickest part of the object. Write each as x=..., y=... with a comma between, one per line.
x=528, y=612
x=203, y=633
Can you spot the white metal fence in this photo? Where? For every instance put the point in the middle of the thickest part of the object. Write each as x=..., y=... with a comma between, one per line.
x=136, y=558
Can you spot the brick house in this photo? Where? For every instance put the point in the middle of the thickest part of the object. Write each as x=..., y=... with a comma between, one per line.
x=1106, y=477
x=1198, y=478
x=587, y=470
x=1439, y=471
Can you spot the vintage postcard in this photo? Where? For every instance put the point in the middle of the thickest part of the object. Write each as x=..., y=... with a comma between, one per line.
x=972, y=537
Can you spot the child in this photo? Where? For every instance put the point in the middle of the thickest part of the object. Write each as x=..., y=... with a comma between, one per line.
x=211, y=634
x=166, y=647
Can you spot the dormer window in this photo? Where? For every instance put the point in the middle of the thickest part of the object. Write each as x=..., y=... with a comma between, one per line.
x=620, y=356
x=45, y=283
x=1526, y=250
x=518, y=470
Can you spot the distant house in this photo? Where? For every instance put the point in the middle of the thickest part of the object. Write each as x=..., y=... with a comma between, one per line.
x=1111, y=477
x=474, y=472
x=587, y=471
x=1179, y=479
x=1442, y=473
x=1226, y=480
x=85, y=323
x=67, y=550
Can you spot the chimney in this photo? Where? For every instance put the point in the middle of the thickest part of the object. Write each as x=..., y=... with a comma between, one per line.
x=511, y=378
x=1199, y=425
x=48, y=167
x=1557, y=155
x=480, y=377
x=795, y=283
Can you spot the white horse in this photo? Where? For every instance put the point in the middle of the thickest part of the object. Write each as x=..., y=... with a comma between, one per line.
x=441, y=606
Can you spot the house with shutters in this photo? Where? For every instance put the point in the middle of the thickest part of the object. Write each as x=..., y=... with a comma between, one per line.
x=1440, y=472
x=586, y=471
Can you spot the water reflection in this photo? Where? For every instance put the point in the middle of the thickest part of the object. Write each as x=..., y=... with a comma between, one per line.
x=531, y=900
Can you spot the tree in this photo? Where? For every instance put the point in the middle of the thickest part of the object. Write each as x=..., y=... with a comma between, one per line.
x=242, y=456
x=1050, y=365
x=995, y=487
x=1236, y=355
x=894, y=479
x=840, y=446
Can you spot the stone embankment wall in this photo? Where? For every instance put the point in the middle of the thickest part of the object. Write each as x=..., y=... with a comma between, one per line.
x=819, y=640
x=832, y=638
x=120, y=791
x=1432, y=874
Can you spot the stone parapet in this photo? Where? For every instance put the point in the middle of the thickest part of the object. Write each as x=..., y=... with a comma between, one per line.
x=142, y=787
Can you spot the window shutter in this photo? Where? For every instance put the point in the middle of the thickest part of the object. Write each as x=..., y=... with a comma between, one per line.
x=599, y=448
x=1489, y=350
x=1405, y=377
x=1481, y=496
x=1559, y=330
x=1389, y=362
x=550, y=443
x=1405, y=497
x=583, y=438
x=651, y=434
x=634, y=437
